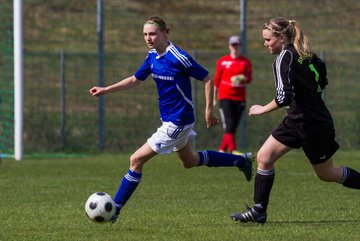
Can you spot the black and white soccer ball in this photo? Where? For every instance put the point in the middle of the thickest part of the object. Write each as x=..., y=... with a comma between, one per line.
x=100, y=207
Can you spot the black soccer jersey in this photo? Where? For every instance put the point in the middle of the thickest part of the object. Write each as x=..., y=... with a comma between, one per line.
x=299, y=84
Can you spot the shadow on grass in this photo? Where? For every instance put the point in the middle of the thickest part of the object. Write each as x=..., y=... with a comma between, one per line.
x=320, y=222
x=303, y=222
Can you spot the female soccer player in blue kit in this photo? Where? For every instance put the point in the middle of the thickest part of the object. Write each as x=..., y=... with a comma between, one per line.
x=300, y=77
x=171, y=69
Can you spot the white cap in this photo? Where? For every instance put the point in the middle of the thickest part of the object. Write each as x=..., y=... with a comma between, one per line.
x=234, y=40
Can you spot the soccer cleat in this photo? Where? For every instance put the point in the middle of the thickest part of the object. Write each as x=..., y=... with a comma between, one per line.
x=249, y=216
x=248, y=168
x=116, y=215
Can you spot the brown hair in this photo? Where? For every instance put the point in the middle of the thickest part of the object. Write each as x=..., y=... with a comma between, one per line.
x=291, y=29
x=158, y=22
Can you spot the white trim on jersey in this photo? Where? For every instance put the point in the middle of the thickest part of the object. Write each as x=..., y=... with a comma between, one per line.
x=182, y=58
x=171, y=48
x=280, y=86
x=183, y=95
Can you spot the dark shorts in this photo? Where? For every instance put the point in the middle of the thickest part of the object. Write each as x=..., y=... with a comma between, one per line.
x=317, y=141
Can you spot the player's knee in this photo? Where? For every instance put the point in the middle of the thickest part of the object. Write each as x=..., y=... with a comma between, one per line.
x=260, y=158
x=263, y=160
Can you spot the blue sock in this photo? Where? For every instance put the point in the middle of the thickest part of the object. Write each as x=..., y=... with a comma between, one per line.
x=128, y=185
x=220, y=159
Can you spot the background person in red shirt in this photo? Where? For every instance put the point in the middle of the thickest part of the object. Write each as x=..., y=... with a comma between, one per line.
x=233, y=72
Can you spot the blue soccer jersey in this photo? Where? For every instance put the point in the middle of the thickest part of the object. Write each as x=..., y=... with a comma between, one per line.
x=172, y=71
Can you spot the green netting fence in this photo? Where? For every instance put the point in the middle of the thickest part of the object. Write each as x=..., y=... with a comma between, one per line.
x=6, y=78
x=61, y=65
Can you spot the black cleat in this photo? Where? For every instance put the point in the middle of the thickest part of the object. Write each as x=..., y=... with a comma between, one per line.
x=249, y=216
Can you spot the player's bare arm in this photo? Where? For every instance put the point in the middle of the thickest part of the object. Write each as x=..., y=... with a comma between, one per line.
x=263, y=109
x=127, y=83
x=210, y=118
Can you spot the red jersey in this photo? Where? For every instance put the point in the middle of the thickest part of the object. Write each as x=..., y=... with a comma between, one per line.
x=231, y=76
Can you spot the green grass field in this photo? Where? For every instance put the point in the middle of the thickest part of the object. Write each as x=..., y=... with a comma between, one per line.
x=43, y=199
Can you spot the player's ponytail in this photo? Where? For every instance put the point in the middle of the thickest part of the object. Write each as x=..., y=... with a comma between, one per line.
x=301, y=41
x=291, y=29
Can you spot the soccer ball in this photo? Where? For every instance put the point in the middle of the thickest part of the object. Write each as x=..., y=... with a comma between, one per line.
x=100, y=207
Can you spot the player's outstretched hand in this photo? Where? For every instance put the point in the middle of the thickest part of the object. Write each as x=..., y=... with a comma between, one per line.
x=97, y=91
x=256, y=110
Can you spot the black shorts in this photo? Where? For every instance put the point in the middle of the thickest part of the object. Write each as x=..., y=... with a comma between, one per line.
x=317, y=141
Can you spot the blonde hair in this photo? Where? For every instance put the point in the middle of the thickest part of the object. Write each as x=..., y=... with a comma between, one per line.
x=158, y=22
x=291, y=29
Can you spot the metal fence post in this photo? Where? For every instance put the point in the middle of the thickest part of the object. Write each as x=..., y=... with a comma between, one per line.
x=100, y=31
x=62, y=99
x=243, y=26
x=243, y=120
